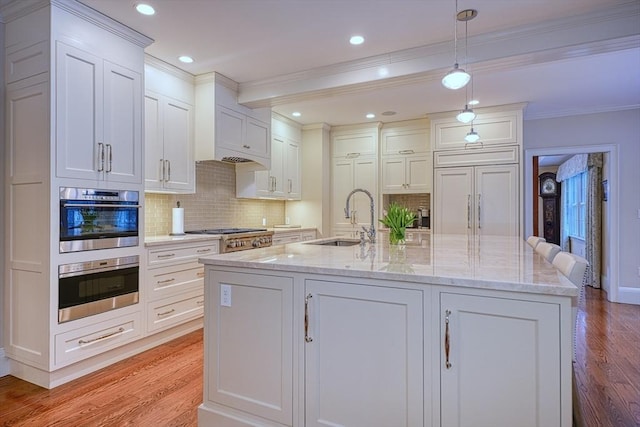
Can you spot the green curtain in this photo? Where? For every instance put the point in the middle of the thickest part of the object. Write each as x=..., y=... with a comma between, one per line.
x=593, y=234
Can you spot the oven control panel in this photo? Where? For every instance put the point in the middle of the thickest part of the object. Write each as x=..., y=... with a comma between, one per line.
x=241, y=243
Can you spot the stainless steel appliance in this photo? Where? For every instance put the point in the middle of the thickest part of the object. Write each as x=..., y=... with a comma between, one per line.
x=239, y=239
x=98, y=219
x=92, y=287
x=423, y=218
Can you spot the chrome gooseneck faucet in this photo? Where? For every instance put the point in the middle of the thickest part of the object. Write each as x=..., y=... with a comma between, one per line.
x=371, y=232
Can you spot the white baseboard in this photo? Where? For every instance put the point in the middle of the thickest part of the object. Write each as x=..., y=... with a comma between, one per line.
x=629, y=295
x=4, y=363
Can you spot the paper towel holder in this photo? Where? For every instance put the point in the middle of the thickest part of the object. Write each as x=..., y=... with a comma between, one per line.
x=177, y=225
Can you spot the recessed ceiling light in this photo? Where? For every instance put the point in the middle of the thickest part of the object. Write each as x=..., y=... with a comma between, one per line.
x=356, y=40
x=145, y=9
x=296, y=114
x=474, y=102
x=186, y=59
x=370, y=115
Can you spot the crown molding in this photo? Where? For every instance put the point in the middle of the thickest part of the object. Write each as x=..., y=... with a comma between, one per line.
x=168, y=68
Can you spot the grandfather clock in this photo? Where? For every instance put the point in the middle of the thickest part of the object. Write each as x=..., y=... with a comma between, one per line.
x=550, y=193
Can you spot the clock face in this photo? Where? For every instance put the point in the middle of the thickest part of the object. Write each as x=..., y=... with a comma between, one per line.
x=549, y=186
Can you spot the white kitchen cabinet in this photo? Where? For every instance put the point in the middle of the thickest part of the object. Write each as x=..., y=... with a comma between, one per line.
x=406, y=174
x=174, y=279
x=283, y=180
x=348, y=174
x=98, y=118
x=354, y=331
x=169, y=129
x=249, y=358
x=477, y=200
x=292, y=236
x=228, y=131
x=499, y=362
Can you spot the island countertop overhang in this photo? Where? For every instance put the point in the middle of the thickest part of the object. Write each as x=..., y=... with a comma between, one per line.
x=484, y=262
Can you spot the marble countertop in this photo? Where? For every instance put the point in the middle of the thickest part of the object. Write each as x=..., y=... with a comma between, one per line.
x=487, y=262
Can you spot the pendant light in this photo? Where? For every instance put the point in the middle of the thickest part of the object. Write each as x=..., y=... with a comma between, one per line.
x=472, y=136
x=467, y=114
x=458, y=78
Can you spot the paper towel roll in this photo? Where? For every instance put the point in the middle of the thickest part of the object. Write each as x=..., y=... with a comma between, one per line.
x=178, y=222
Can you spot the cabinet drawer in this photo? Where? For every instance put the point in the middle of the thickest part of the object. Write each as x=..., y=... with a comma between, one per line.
x=170, y=280
x=307, y=235
x=78, y=344
x=181, y=253
x=170, y=312
x=287, y=238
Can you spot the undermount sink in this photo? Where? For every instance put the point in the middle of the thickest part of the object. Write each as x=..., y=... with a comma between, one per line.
x=336, y=242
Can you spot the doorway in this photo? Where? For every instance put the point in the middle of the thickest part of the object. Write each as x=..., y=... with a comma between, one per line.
x=610, y=260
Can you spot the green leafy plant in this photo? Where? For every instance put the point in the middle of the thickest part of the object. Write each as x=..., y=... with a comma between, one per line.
x=398, y=218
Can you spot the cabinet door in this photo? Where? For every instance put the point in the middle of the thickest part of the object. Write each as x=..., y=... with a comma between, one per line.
x=229, y=128
x=393, y=176
x=504, y=360
x=276, y=174
x=453, y=205
x=364, y=363
x=122, y=124
x=292, y=178
x=365, y=176
x=257, y=137
x=418, y=174
x=341, y=184
x=249, y=356
x=153, y=150
x=496, y=200
x=80, y=148
x=178, y=145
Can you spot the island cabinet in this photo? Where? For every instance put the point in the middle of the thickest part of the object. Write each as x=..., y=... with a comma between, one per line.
x=169, y=129
x=500, y=361
x=286, y=351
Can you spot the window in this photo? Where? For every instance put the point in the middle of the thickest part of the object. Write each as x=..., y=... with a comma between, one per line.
x=576, y=204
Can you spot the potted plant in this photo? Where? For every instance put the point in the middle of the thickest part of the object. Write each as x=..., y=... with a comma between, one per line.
x=397, y=219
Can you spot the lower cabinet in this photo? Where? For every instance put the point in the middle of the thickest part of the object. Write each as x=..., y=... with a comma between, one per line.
x=311, y=350
x=500, y=362
x=363, y=356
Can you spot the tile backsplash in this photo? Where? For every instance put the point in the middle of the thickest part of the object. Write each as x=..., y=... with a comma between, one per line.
x=411, y=201
x=214, y=204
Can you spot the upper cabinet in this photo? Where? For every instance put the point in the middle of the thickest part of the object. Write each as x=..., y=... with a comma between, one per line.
x=406, y=164
x=226, y=130
x=169, y=129
x=98, y=118
x=283, y=180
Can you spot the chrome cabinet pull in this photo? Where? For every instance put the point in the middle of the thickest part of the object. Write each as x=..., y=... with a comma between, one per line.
x=352, y=155
x=166, y=312
x=307, y=337
x=163, y=167
x=100, y=157
x=469, y=211
x=166, y=255
x=447, y=342
x=162, y=282
x=406, y=151
x=246, y=146
x=479, y=226
x=168, y=175
x=101, y=337
x=290, y=185
x=203, y=251
x=100, y=205
x=110, y=156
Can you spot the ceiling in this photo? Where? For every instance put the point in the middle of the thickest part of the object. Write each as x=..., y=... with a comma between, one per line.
x=560, y=57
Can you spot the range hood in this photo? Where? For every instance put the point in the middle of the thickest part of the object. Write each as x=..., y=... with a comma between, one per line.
x=227, y=131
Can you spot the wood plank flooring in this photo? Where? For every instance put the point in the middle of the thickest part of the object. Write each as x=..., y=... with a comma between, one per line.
x=163, y=386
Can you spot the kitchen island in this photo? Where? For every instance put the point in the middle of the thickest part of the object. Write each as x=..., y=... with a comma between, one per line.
x=447, y=331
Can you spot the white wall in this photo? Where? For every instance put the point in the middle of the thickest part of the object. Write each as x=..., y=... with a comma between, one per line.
x=315, y=169
x=621, y=130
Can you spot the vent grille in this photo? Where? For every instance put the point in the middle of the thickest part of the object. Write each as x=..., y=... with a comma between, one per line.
x=235, y=160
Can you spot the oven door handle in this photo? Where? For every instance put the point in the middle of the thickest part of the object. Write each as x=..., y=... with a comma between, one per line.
x=98, y=205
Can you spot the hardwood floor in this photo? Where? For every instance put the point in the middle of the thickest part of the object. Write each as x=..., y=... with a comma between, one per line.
x=163, y=386
x=160, y=387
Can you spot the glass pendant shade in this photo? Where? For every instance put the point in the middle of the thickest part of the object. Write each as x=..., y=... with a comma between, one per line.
x=466, y=116
x=456, y=78
x=472, y=136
